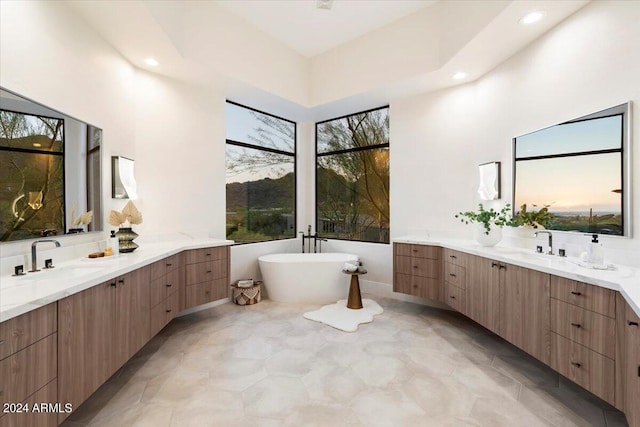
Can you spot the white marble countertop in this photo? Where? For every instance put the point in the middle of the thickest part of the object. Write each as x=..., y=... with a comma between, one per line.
x=22, y=294
x=624, y=279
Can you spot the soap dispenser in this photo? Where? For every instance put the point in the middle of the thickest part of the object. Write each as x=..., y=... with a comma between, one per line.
x=596, y=251
x=114, y=242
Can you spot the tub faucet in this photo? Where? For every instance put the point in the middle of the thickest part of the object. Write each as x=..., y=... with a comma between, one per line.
x=550, y=251
x=34, y=257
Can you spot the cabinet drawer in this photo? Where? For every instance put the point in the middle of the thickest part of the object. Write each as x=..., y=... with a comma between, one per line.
x=24, y=330
x=206, y=254
x=594, y=298
x=28, y=370
x=419, y=251
x=454, y=297
x=423, y=267
x=47, y=394
x=455, y=257
x=455, y=274
x=164, y=286
x=205, y=271
x=424, y=287
x=164, y=312
x=593, y=330
x=164, y=266
x=583, y=366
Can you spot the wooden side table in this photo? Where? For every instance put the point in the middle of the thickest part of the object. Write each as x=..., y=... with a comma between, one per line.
x=354, y=300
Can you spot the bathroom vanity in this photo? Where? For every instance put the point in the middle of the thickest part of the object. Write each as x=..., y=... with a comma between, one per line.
x=588, y=332
x=60, y=344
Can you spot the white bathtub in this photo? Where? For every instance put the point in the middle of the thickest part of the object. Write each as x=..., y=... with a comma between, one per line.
x=312, y=278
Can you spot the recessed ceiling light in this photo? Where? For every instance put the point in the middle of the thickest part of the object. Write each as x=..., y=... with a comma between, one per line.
x=531, y=18
x=151, y=62
x=459, y=75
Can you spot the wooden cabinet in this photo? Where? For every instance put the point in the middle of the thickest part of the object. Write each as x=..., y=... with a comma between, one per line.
x=28, y=365
x=417, y=271
x=206, y=275
x=99, y=330
x=583, y=335
x=628, y=362
x=524, y=309
x=455, y=279
x=165, y=292
x=483, y=292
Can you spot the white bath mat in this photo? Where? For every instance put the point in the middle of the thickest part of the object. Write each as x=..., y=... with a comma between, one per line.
x=340, y=317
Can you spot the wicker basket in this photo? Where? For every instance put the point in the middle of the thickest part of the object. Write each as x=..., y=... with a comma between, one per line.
x=246, y=296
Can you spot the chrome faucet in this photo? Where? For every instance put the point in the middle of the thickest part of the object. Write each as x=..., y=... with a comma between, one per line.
x=34, y=257
x=550, y=251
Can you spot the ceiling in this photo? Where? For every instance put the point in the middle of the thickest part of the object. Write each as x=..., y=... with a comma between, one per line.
x=220, y=44
x=309, y=30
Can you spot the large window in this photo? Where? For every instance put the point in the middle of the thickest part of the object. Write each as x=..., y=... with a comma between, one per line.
x=352, y=177
x=577, y=169
x=261, y=175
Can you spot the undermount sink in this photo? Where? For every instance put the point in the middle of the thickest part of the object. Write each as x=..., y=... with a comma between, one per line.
x=60, y=273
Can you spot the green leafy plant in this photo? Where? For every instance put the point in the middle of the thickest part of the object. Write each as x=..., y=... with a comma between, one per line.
x=534, y=218
x=487, y=218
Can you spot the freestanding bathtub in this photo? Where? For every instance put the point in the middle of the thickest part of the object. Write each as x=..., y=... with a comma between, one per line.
x=312, y=278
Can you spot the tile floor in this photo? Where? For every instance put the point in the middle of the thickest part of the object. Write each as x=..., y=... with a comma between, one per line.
x=265, y=365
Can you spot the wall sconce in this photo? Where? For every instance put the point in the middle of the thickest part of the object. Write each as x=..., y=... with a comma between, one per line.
x=489, y=188
x=123, y=182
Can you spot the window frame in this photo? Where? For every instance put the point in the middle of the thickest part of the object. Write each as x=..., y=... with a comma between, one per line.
x=293, y=154
x=622, y=110
x=345, y=151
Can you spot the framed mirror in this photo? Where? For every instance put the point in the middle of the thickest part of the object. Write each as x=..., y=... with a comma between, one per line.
x=50, y=169
x=579, y=171
x=489, y=187
x=123, y=181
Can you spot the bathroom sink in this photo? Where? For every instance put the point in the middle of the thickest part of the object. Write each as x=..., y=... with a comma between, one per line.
x=60, y=273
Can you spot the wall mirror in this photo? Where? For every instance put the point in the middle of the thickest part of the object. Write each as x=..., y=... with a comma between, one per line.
x=580, y=171
x=50, y=171
x=489, y=187
x=123, y=181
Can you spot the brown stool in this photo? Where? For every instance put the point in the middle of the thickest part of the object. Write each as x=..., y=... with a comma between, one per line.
x=354, y=301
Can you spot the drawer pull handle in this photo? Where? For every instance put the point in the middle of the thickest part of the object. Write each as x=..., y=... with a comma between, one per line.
x=577, y=325
x=121, y=281
x=208, y=271
x=208, y=254
x=630, y=322
x=169, y=285
x=169, y=264
x=113, y=284
x=452, y=297
x=415, y=266
x=453, y=256
x=415, y=250
x=576, y=293
x=501, y=266
x=168, y=311
x=576, y=364
x=452, y=275
x=494, y=265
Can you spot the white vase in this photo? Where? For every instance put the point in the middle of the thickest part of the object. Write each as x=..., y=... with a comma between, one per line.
x=491, y=239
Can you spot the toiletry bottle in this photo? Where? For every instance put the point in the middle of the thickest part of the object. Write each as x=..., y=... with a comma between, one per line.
x=113, y=242
x=596, y=251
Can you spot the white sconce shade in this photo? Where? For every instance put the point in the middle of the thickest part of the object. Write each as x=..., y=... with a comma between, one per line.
x=123, y=181
x=489, y=188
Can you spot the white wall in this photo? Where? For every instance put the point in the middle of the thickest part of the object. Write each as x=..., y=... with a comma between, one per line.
x=588, y=63
x=49, y=55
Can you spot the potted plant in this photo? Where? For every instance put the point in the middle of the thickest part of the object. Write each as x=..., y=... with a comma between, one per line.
x=533, y=218
x=490, y=223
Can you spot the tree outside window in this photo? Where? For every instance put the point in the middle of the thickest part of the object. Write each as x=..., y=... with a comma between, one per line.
x=352, y=177
x=261, y=175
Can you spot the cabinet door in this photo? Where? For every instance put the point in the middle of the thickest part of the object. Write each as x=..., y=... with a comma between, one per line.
x=483, y=292
x=85, y=343
x=524, y=310
x=632, y=371
x=132, y=315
